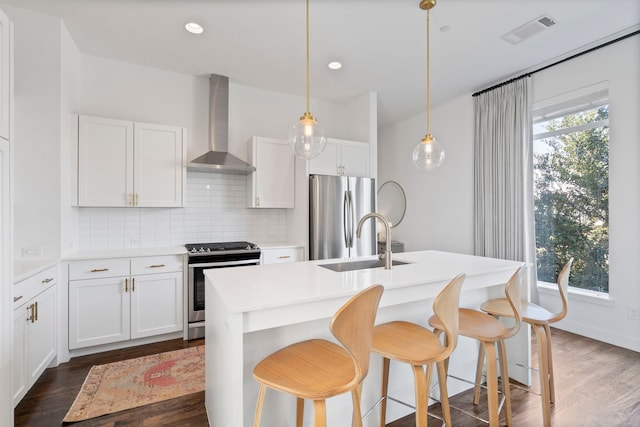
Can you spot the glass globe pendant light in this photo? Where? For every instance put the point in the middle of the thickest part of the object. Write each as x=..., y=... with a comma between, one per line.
x=306, y=137
x=428, y=154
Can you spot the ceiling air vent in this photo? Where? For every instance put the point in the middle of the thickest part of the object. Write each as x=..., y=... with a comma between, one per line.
x=529, y=29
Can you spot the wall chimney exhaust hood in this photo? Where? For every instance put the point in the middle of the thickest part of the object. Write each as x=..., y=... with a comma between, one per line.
x=218, y=159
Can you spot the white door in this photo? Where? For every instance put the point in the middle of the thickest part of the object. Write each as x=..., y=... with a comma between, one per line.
x=98, y=311
x=355, y=159
x=41, y=334
x=158, y=165
x=105, y=162
x=156, y=304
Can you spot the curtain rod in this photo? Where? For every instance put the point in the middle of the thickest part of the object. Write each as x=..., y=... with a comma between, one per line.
x=556, y=63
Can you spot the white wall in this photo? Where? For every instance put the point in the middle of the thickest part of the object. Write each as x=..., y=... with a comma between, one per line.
x=440, y=203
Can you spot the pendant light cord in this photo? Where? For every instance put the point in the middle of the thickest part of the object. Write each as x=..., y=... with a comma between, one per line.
x=428, y=79
x=308, y=56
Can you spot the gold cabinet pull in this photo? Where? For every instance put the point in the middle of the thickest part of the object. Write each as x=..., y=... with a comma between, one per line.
x=137, y=200
x=99, y=270
x=126, y=285
x=284, y=256
x=129, y=199
x=47, y=280
x=133, y=284
x=18, y=298
x=157, y=266
x=31, y=316
x=36, y=310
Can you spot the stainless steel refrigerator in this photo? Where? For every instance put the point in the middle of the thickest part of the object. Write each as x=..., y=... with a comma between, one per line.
x=336, y=204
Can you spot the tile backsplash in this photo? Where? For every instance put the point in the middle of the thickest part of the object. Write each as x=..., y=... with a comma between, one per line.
x=215, y=212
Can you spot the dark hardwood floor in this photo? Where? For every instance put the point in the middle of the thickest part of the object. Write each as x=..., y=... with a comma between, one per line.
x=596, y=385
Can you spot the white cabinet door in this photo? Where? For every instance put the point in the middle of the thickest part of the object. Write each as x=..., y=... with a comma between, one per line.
x=158, y=165
x=327, y=162
x=156, y=304
x=355, y=159
x=105, y=162
x=41, y=334
x=272, y=184
x=348, y=158
x=19, y=365
x=6, y=54
x=98, y=311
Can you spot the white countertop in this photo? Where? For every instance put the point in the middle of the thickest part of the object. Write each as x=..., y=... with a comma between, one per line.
x=252, y=288
x=124, y=253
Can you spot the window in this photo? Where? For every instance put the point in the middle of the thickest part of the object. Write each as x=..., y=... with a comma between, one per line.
x=571, y=189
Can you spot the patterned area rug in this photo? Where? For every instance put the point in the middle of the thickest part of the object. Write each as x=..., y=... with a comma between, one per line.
x=137, y=382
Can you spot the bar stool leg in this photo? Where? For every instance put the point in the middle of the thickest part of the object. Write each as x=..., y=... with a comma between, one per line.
x=256, y=419
x=299, y=411
x=385, y=387
x=320, y=413
x=421, y=381
x=357, y=415
x=492, y=383
x=444, y=394
x=552, y=391
x=504, y=375
x=543, y=355
x=479, y=366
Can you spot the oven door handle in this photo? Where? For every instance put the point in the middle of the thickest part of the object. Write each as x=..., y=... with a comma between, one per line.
x=226, y=263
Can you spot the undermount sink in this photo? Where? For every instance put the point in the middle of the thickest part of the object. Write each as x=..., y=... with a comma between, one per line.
x=359, y=265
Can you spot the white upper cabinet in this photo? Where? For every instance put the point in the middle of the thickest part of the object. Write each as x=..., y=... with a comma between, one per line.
x=272, y=183
x=5, y=74
x=124, y=163
x=158, y=172
x=340, y=157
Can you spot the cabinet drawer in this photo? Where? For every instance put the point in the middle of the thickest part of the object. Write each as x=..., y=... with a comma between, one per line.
x=157, y=264
x=98, y=268
x=28, y=288
x=280, y=255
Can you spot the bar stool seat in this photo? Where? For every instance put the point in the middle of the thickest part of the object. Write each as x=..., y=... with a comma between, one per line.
x=490, y=331
x=417, y=346
x=318, y=369
x=539, y=318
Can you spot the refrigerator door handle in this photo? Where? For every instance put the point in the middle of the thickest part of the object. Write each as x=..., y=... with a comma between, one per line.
x=345, y=214
x=351, y=218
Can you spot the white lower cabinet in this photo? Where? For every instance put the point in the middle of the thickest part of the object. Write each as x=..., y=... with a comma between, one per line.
x=34, y=336
x=144, y=297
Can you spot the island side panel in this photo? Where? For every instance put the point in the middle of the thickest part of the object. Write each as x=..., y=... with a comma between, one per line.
x=224, y=382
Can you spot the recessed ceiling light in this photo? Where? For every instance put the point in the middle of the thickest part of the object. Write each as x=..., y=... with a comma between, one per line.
x=445, y=28
x=194, y=28
x=335, y=65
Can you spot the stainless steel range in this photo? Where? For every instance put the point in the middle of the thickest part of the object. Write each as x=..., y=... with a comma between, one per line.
x=203, y=256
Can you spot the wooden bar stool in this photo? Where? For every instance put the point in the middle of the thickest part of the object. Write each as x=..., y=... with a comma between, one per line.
x=490, y=331
x=318, y=369
x=539, y=318
x=416, y=345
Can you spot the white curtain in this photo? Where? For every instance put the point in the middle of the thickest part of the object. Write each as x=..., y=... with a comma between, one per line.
x=503, y=175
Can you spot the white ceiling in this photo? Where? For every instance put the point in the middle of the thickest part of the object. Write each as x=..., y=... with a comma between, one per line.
x=381, y=43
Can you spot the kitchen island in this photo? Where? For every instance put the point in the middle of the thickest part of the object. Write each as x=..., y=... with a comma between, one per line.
x=255, y=310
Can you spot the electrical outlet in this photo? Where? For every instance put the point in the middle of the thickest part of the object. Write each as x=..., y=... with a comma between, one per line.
x=32, y=252
x=633, y=313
